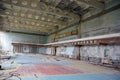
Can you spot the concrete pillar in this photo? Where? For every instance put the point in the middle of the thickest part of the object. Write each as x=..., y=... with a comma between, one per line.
x=53, y=51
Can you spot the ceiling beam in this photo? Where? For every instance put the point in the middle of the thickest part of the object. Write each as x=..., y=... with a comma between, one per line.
x=93, y=3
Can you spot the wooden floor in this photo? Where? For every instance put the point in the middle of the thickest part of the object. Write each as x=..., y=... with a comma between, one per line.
x=43, y=67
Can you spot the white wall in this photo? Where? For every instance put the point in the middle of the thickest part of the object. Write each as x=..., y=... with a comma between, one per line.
x=48, y=50
x=69, y=51
x=60, y=51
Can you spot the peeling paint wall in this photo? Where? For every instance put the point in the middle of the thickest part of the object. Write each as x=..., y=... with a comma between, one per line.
x=8, y=38
x=106, y=24
x=42, y=50
x=48, y=51
x=61, y=51
x=103, y=24
x=68, y=51
x=89, y=53
x=102, y=51
x=51, y=38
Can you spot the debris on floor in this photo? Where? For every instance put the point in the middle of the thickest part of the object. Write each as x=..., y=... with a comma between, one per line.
x=6, y=76
x=10, y=64
x=39, y=67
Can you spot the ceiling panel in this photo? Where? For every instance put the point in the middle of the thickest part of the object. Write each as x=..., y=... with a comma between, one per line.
x=40, y=15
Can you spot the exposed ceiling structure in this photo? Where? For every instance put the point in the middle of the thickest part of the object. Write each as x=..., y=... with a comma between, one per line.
x=43, y=16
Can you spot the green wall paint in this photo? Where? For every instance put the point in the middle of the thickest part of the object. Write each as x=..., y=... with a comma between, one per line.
x=8, y=38
x=108, y=23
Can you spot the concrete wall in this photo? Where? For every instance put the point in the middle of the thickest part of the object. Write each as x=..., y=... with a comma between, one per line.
x=106, y=24
x=52, y=37
x=42, y=50
x=103, y=24
x=68, y=51
x=68, y=38
x=100, y=51
x=48, y=50
x=93, y=53
x=8, y=38
x=108, y=52
x=61, y=51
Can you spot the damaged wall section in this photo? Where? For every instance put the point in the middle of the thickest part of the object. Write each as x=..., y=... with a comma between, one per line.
x=100, y=53
x=8, y=38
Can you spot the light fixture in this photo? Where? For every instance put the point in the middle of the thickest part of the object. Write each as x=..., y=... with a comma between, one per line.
x=15, y=14
x=36, y=17
x=7, y=12
x=50, y=23
x=33, y=23
x=22, y=15
x=47, y=26
x=34, y=4
x=15, y=21
x=54, y=21
x=24, y=3
x=43, y=25
x=37, y=24
x=29, y=15
x=30, y=27
x=27, y=22
x=16, y=25
x=14, y=1
x=11, y=25
x=42, y=18
x=49, y=20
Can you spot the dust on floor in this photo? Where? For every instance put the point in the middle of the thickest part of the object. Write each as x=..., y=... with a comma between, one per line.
x=42, y=67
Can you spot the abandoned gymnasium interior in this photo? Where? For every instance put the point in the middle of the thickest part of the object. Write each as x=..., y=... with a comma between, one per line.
x=59, y=39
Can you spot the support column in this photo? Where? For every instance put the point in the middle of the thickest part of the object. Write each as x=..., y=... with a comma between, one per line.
x=77, y=52
x=79, y=28
x=53, y=52
x=13, y=49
